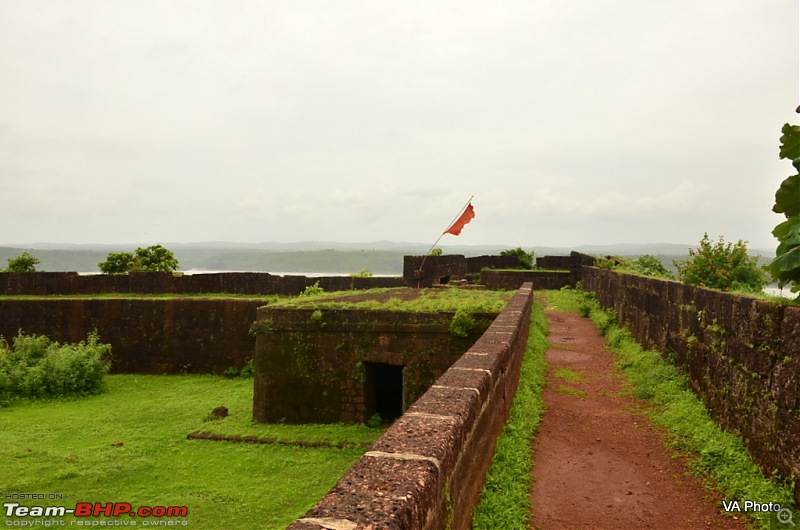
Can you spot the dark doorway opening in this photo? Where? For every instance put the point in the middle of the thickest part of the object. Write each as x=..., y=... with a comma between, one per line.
x=383, y=390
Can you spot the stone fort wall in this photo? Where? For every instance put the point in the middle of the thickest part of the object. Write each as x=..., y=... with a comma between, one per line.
x=742, y=355
x=427, y=470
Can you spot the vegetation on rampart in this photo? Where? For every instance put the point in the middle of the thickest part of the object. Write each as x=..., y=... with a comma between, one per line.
x=645, y=265
x=720, y=265
x=723, y=266
x=402, y=299
x=525, y=258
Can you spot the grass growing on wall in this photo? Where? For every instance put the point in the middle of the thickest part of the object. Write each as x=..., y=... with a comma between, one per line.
x=129, y=445
x=505, y=500
x=714, y=455
x=406, y=299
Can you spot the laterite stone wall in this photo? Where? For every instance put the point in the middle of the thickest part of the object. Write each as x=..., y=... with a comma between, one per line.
x=509, y=280
x=147, y=336
x=429, y=467
x=69, y=283
x=311, y=365
x=742, y=355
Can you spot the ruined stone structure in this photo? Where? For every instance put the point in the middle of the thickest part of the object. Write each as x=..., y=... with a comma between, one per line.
x=438, y=270
x=426, y=271
x=344, y=365
x=428, y=469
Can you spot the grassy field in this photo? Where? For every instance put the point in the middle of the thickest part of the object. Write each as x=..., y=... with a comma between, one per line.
x=129, y=445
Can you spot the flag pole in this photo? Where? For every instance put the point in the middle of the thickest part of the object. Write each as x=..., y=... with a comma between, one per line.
x=443, y=233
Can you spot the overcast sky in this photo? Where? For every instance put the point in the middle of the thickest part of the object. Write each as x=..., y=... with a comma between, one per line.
x=570, y=121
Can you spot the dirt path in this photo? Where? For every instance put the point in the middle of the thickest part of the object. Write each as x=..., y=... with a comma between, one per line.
x=599, y=464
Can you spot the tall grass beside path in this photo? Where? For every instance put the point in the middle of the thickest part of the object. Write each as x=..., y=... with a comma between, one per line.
x=718, y=457
x=505, y=501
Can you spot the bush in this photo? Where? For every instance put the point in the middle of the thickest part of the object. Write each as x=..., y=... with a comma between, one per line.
x=312, y=290
x=648, y=265
x=462, y=323
x=721, y=266
x=36, y=367
x=525, y=258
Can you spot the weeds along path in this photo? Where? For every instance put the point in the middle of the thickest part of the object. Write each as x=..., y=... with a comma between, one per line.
x=598, y=463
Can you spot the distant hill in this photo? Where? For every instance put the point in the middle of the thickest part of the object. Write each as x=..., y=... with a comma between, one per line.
x=379, y=257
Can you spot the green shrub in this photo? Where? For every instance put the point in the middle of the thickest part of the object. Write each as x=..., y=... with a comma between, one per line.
x=312, y=290
x=525, y=258
x=721, y=266
x=374, y=421
x=648, y=265
x=462, y=323
x=36, y=367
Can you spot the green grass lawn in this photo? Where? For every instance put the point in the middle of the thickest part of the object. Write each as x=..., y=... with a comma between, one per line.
x=68, y=447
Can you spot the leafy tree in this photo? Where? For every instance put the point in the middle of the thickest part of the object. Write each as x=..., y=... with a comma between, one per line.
x=153, y=258
x=721, y=266
x=525, y=258
x=785, y=268
x=117, y=263
x=25, y=262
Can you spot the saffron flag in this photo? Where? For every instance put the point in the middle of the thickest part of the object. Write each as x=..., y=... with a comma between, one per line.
x=464, y=218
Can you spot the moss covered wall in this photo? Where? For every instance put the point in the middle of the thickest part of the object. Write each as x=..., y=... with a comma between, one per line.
x=742, y=355
x=147, y=336
x=509, y=280
x=429, y=467
x=310, y=364
x=44, y=283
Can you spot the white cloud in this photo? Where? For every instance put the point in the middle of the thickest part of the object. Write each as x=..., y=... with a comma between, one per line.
x=199, y=120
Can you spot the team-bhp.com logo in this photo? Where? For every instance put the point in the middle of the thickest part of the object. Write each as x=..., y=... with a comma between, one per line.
x=94, y=509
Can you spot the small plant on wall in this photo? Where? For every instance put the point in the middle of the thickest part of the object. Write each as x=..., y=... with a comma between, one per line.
x=462, y=323
x=721, y=265
x=525, y=258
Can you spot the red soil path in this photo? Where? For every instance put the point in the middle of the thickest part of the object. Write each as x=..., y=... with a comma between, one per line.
x=598, y=462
